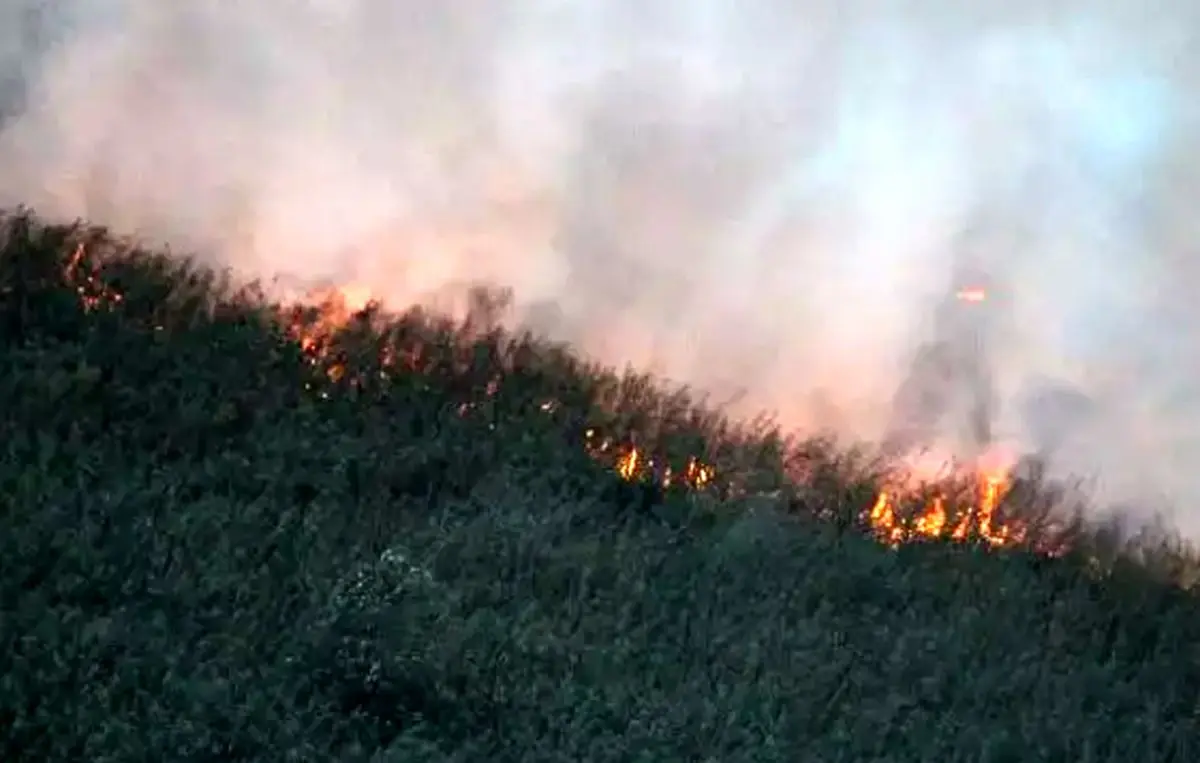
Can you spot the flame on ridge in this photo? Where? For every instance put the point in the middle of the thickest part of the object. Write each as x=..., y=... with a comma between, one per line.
x=329, y=310
x=932, y=520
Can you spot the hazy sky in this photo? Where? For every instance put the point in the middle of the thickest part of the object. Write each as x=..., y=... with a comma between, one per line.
x=760, y=196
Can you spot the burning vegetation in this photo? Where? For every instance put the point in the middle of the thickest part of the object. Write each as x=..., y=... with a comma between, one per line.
x=899, y=513
x=979, y=518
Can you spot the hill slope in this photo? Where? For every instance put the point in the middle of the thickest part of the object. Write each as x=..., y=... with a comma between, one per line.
x=214, y=549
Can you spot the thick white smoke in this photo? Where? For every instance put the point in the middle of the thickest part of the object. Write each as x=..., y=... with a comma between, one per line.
x=761, y=197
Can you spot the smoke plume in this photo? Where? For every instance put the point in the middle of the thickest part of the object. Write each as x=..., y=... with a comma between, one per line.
x=762, y=198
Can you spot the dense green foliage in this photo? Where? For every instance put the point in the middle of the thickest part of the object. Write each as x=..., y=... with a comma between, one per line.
x=211, y=551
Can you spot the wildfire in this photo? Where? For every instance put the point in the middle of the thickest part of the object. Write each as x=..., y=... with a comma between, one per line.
x=93, y=292
x=633, y=464
x=334, y=308
x=978, y=519
x=313, y=323
x=972, y=294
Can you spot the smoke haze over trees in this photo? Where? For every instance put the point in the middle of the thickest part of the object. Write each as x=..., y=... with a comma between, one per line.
x=657, y=185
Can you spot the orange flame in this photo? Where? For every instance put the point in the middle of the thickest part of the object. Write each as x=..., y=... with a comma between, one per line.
x=634, y=465
x=978, y=520
x=313, y=322
x=93, y=292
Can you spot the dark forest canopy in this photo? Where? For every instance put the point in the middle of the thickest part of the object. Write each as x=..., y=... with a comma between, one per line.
x=214, y=550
